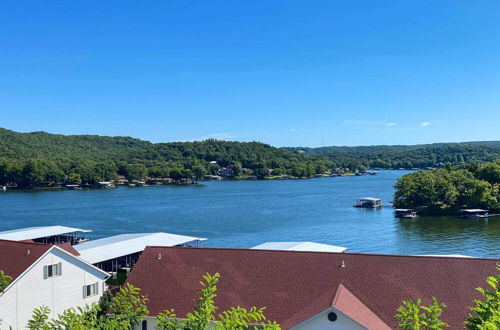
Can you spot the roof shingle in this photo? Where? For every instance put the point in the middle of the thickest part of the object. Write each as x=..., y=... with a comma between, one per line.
x=294, y=286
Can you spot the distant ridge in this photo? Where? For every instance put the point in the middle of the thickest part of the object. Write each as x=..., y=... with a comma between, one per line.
x=383, y=147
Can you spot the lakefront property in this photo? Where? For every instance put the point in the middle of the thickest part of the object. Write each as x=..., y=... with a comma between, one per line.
x=249, y=165
x=303, y=285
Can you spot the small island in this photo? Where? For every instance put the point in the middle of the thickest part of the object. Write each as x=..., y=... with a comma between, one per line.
x=448, y=190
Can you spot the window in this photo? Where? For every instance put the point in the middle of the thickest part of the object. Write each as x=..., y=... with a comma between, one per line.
x=52, y=270
x=90, y=290
x=144, y=325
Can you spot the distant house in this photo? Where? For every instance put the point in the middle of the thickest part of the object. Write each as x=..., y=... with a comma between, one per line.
x=159, y=180
x=310, y=290
x=226, y=172
x=121, y=181
x=44, y=274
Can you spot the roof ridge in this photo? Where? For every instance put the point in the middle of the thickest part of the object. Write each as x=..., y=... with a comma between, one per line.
x=340, y=253
x=24, y=242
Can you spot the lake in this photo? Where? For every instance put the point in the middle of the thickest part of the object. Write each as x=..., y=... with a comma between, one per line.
x=247, y=213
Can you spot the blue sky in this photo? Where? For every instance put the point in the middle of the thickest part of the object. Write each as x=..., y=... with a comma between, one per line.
x=288, y=73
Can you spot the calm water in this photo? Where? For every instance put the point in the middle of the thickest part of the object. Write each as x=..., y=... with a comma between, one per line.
x=247, y=213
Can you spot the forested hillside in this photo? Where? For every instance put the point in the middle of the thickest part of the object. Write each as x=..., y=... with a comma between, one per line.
x=412, y=156
x=43, y=159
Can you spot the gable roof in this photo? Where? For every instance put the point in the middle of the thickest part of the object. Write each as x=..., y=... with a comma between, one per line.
x=17, y=256
x=294, y=286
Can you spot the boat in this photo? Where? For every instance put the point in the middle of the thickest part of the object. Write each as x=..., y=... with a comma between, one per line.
x=368, y=202
x=405, y=213
x=73, y=187
x=473, y=213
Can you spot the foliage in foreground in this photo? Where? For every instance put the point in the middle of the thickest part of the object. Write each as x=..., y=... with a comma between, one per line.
x=127, y=308
x=486, y=314
x=4, y=280
x=203, y=317
x=412, y=315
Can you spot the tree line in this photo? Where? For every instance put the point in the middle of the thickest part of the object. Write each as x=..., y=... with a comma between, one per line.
x=43, y=159
x=408, y=157
x=445, y=191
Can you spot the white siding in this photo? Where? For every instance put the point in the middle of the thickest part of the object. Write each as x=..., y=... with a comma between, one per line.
x=317, y=322
x=321, y=322
x=58, y=293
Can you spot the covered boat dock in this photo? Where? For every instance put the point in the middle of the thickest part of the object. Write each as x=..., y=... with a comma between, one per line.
x=368, y=202
x=47, y=234
x=122, y=251
x=473, y=213
x=299, y=246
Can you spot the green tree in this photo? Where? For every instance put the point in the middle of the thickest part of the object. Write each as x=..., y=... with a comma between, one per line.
x=237, y=168
x=4, y=280
x=124, y=311
x=203, y=317
x=135, y=171
x=412, y=315
x=74, y=178
x=486, y=312
x=199, y=171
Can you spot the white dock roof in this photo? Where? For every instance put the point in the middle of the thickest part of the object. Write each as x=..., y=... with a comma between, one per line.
x=121, y=245
x=38, y=232
x=300, y=246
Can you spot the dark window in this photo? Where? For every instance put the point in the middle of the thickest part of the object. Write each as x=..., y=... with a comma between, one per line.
x=144, y=325
x=332, y=316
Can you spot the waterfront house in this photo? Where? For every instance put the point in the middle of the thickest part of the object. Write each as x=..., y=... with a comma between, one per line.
x=45, y=275
x=153, y=180
x=226, y=172
x=368, y=202
x=310, y=290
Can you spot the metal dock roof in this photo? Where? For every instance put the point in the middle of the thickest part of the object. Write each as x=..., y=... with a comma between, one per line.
x=38, y=232
x=121, y=245
x=300, y=246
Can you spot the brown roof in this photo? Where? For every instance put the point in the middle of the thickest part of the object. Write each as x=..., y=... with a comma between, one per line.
x=294, y=286
x=15, y=258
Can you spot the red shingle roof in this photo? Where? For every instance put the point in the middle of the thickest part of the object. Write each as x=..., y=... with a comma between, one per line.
x=297, y=285
x=16, y=257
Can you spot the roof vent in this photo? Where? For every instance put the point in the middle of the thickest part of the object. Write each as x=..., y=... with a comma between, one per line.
x=332, y=317
x=342, y=265
x=28, y=252
x=159, y=256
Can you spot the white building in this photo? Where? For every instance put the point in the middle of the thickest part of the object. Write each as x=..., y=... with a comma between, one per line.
x=300, y=246
x=45, y=275
x=47, y=234
x=122, y=251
